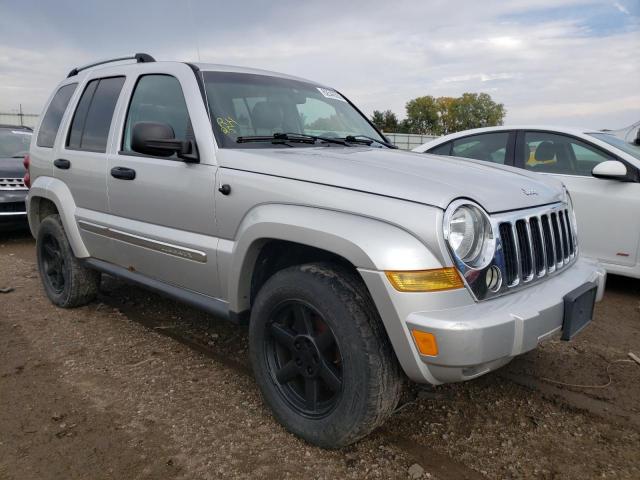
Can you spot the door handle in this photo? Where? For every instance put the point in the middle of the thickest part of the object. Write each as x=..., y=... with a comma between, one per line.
x=123, y=173
x=62, y=163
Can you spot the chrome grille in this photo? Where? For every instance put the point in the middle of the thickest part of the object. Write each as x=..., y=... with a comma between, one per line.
x=12, y=184
x=537, y=244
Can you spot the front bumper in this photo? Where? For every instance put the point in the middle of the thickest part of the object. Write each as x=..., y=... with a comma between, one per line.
x=13, y=209
x=475, y=338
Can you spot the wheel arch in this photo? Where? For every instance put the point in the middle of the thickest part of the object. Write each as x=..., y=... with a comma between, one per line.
x=316, y=234
x=50, y=196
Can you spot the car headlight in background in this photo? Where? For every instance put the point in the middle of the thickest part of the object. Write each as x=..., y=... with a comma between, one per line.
x=468, y=231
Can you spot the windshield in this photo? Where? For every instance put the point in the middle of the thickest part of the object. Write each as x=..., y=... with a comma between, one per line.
x=14, y=142
x=247, y=105
x=626, y=147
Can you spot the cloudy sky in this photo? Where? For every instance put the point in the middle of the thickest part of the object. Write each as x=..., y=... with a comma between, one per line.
x=565, y=62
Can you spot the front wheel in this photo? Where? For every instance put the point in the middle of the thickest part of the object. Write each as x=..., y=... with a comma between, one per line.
x=321, y=356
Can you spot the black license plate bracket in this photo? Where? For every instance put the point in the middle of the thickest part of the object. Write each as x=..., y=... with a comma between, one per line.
x=578, y=309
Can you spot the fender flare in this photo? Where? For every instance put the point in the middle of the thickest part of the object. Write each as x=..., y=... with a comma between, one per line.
x=365, y=242
x=56, y=191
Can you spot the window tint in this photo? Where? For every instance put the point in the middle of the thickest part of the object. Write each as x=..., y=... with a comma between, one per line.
x=553, y=153
x=158, y=98
x=444, y=149
x=491, y=147
x=80, y=116
x=92, y=119
x=53, y=117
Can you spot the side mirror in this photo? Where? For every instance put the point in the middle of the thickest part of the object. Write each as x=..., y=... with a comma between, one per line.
x=610, y=170
x=158, y=139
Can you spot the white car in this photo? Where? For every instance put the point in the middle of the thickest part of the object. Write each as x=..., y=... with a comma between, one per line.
x=601, y=171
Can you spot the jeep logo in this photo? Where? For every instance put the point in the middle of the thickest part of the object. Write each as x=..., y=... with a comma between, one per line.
x=529, y=192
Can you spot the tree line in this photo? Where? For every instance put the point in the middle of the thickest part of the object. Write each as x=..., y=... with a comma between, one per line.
x=443, y=115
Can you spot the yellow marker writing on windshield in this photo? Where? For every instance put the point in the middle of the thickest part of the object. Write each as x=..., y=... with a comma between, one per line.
x=228, y=125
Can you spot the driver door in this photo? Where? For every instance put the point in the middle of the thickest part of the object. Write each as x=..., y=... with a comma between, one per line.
x=162, y=210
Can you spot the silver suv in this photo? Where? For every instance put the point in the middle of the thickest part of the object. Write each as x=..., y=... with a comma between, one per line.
x=273, y=201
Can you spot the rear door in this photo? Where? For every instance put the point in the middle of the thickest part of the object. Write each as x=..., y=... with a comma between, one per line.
x=163, y=218
x=606, y=210
x=81, y=160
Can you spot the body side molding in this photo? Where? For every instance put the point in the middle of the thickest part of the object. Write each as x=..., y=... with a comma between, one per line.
x=162, y=247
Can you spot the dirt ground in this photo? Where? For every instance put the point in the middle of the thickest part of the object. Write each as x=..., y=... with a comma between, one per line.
x=135, y=386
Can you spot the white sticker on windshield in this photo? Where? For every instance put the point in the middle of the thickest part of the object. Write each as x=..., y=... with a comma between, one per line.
x=21, y=132
x=332, y=94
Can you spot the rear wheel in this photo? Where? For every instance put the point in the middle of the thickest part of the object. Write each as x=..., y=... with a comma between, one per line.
x=67, y=282
x=321, y=356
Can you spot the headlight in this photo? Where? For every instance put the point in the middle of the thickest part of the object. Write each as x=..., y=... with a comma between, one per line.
x=468, y=231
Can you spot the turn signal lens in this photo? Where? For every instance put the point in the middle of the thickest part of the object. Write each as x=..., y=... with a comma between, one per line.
x=425, y=280
x=426, y=342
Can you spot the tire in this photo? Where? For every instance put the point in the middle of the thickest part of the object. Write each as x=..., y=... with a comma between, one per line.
x=327, y=413
x=67, y=282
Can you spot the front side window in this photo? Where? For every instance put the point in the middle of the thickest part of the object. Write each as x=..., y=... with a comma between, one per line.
x=245, y=105
x=490, y=147
x=92, y=118
x=554, y=153
x=14, y=142
x=158, y=98
x=53, y=117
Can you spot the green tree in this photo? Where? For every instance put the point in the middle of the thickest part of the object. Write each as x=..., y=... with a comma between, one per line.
x=386, y=121
x=448, y=121
x=378, y=119
x=476, y=110
x=390, y=121
x=422, y=115
x=444, y=115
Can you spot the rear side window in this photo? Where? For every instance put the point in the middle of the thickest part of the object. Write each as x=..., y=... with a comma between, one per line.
x=53, y=117
x=92, y=118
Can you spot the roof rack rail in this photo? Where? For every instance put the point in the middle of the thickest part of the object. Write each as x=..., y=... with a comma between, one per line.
x=138, y=57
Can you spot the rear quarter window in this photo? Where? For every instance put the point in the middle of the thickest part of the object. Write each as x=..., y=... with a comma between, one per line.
x=53, y=116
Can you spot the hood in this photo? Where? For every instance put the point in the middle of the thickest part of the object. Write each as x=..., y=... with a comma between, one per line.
x=11, y=168
x=429, y=179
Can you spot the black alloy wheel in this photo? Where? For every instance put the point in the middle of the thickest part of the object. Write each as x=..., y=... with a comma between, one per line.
x=303, y=358
x=54, y=264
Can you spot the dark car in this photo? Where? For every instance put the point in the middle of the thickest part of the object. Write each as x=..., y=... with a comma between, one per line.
x=14, y=145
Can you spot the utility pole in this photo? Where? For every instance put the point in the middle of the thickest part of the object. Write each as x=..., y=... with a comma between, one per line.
x=20, y=114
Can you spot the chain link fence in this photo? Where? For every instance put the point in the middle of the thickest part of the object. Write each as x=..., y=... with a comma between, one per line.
x=408, y=141
x=25, y=119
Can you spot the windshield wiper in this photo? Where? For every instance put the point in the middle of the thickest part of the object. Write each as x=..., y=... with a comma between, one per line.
x=290, y=137
x=368, y=140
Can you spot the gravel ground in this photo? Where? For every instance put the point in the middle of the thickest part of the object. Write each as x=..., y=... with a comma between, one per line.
x=137, y=386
